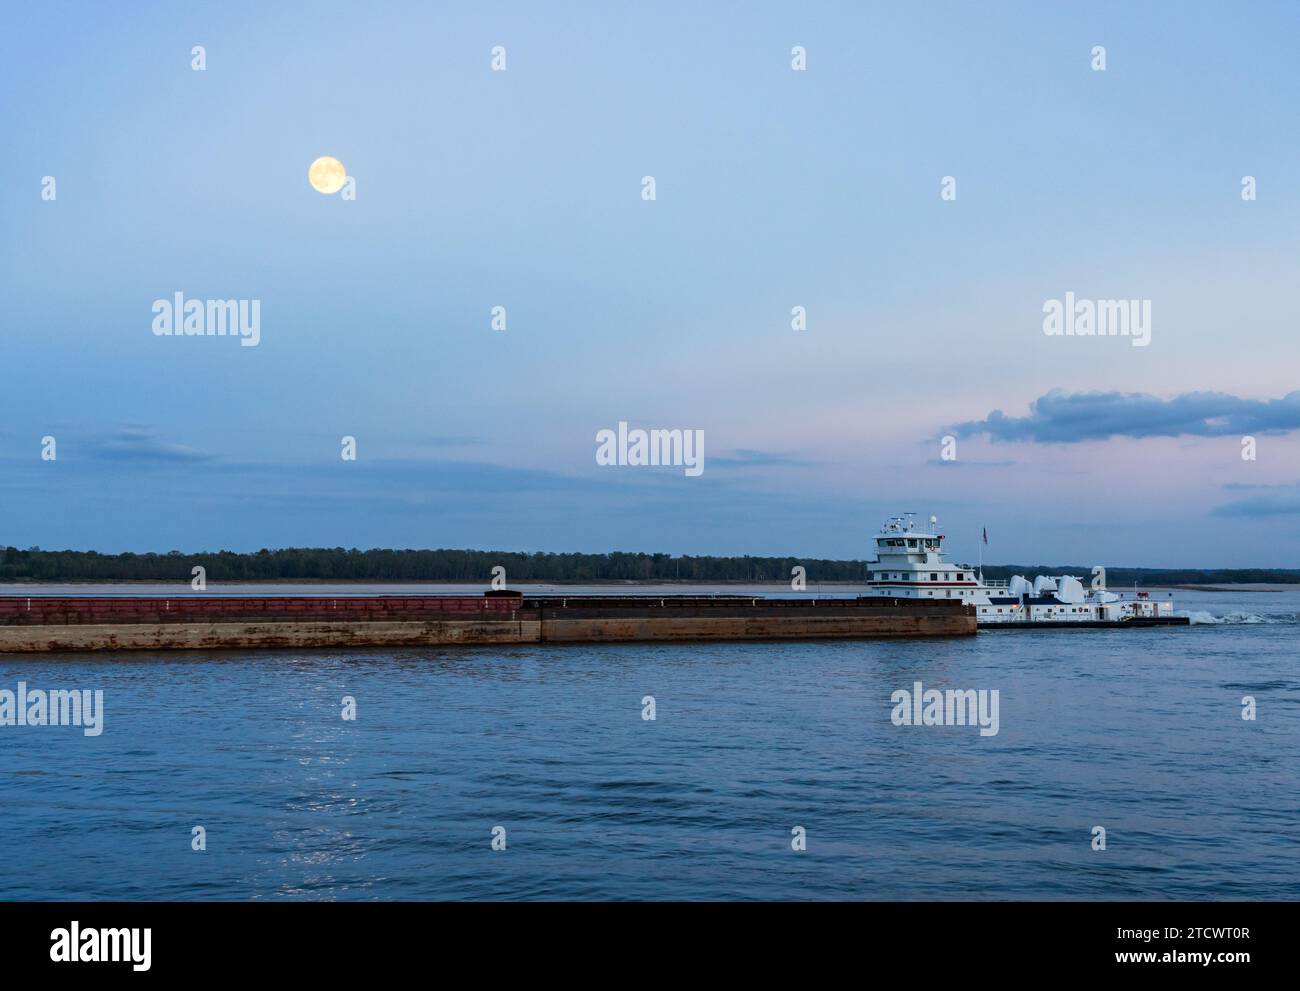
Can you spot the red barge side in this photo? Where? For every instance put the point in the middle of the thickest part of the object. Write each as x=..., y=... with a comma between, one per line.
x=43, y=624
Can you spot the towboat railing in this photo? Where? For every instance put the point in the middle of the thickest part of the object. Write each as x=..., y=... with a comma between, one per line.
x=1122, y=596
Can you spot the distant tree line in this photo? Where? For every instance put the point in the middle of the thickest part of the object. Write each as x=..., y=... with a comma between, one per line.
x=468, y=566
x=339, y=564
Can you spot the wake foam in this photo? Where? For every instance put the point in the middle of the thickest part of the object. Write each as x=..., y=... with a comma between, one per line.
x=1240, y=618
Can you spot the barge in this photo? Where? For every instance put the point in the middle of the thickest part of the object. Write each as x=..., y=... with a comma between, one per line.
x=43, y=624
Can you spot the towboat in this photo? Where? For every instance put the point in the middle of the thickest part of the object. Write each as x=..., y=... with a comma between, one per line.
x=910, y=563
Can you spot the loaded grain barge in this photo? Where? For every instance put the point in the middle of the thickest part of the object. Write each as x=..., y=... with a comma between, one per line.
x=34, y=624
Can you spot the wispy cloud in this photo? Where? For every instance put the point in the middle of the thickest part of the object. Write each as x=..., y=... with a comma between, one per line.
x=408, y=503
x=143, y=444
x=1271, y=500
x=448, y=440
x=1060, y=417
x=957, y=463
x=748, y=458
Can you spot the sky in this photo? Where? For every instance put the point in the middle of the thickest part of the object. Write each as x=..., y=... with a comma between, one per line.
x=774, y=188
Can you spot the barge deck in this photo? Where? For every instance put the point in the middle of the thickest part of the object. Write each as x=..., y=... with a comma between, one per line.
x=44, y=624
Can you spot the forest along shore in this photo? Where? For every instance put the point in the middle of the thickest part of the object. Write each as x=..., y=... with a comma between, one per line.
x=475, y=567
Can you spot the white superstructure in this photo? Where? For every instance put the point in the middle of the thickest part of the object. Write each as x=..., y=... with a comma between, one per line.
x=910, y=564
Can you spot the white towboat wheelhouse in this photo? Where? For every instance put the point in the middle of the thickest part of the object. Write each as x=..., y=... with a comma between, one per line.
x=909, y=564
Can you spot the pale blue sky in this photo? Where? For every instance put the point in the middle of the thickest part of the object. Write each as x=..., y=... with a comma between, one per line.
x=775, y=188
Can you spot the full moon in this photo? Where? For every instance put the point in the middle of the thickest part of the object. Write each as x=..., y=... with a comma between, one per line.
x=326, y=175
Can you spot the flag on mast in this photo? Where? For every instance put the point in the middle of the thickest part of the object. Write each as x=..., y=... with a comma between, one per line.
x=986, y=535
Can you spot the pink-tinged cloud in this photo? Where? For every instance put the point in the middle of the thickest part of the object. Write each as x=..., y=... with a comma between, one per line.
x=1060, y=417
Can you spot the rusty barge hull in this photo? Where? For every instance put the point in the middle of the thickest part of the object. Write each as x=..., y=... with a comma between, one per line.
x=42, y=624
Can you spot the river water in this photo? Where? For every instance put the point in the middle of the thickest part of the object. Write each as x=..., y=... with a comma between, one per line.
x=1139, y=732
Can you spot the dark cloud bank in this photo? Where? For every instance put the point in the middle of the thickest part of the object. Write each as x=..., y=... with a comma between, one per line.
x=1060, y=417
